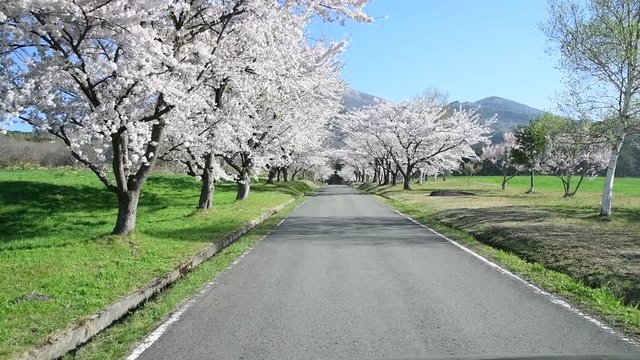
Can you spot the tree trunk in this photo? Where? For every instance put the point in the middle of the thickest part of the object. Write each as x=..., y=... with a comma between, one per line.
x=394, y=178
x=129, y=186
x=206, y=191
x=285, y=173
x=244, y=185
x=293, y=176
x=407, y=178
x=567, y=186
x=421, y=179
x=127, y=212
x=387, y=177
x=272, y=174
x=607, y=193
x=504, y=183
x=279, y=171
x=531, y=187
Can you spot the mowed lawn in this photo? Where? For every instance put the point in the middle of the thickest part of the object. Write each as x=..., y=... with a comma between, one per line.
x=58, y=264
x=563, y=234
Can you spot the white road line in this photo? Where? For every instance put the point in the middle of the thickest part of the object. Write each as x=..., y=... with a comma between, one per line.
x=155, y=335
x=551, y=297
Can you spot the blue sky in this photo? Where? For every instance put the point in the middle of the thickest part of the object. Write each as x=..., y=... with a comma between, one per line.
x=470, y=49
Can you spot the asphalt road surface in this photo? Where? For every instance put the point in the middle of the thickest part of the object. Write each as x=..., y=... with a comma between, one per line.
x=345, y=277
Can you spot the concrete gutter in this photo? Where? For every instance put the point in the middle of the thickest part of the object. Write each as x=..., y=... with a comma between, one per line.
x=58, y=344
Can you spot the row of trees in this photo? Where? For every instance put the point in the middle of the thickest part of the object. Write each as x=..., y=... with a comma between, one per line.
x=423, y=137
x=389, y=139
x=551, y=145
x=199, y=82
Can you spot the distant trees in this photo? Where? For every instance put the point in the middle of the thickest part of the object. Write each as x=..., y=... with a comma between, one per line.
x=403, y=137
x=575, y=148
x=24, y=150
x=599, y=45
x=531, y=143
x=552, y=145
x=500, y=155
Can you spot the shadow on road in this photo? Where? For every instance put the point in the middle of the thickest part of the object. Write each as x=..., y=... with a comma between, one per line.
x=349, y=231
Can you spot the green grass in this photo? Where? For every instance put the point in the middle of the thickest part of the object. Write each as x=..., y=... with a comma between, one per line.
x=53, y=241
x=558, y=243
x=552, y=184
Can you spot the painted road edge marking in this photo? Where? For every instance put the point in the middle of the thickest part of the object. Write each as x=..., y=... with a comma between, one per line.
x=549, y=296
x=157, y=333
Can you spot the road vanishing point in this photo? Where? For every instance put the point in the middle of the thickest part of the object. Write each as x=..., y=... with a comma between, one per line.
x=347, y=277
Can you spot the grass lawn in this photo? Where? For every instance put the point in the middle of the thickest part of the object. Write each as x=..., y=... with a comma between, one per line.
x=561, y=234
x=54, y=242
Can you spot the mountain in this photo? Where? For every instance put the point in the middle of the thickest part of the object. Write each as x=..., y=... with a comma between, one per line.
x=510, y=113
x=354, y=99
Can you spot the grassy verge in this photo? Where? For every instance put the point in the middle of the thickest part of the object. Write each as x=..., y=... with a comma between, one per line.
x=117, y=341
x=604, y=301
x=57, y=265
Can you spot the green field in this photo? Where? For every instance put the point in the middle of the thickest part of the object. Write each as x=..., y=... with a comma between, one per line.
x=561, y=234
x=54, y=241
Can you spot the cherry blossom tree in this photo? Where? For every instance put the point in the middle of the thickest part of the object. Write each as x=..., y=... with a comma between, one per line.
x=257, y=43
x=258, y=62
x=419, y=131
x=106, y=77
x=500, y=156
x=577, y=149
x=300, y=94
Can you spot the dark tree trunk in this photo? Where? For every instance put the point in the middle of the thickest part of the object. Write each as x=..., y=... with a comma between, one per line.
x=285, y=173
x=206, y=191
x=244, y=185
x=128, y=187
x=394, y=178
x=293, y=176
x=386, y=177
x=375, y=174
x=407, y=178
x=272, y=175
x=279, y=172
x=127, y=212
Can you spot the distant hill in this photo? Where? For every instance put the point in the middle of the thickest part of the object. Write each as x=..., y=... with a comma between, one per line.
x=510, y=113
x=354, y=99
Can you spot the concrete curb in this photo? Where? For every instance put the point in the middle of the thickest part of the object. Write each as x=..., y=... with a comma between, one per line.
x=62, y=342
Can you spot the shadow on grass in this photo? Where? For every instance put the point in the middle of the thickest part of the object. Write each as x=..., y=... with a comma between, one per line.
x=387, y=190
x=38, y=209
x=294, y=188
x=31, y=207
x=596, y=257
x=465, y=218
x=592, y=212
x=191, y=232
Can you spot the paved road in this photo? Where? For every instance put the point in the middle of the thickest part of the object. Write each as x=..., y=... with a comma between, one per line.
x=345, y=277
